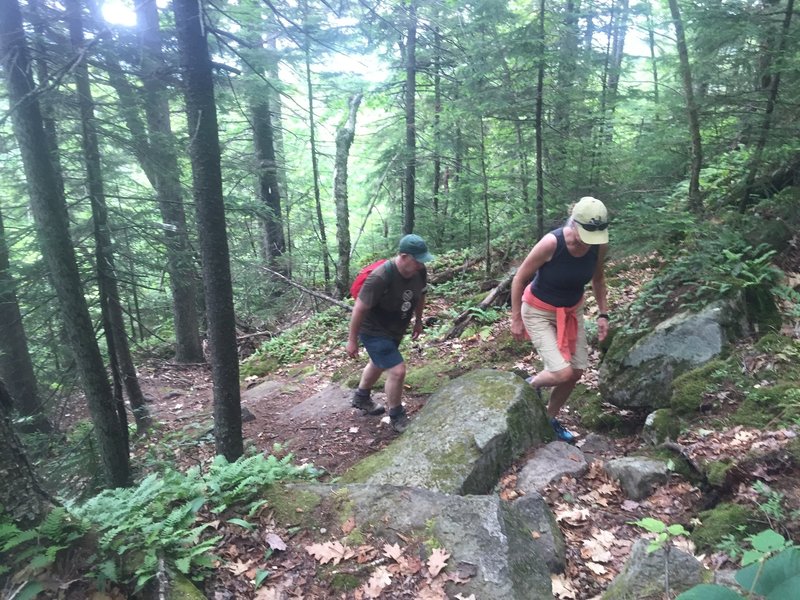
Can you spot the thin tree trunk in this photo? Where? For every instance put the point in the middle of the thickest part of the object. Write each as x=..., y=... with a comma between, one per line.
x=106, y=271
x=180, y=258
x=695, y=200
x=437, y=134
x=16, y=367
x=204, y=151
x=409, y=206
x=487, y=224
x=539, y=125
x=344, y=139
x=22, y=499
x=269, y=189
x=50, y=214
x=651, y=39
x=323, y=238
x=772, y=96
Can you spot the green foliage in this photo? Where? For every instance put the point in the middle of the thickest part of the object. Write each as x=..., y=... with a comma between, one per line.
x=716, y=524
x=778, y=404
x=138, y=527
x=323, y=332
x=770, y=568
x=664, y=533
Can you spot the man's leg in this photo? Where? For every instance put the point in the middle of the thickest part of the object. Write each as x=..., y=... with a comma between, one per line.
x=362, y=397
x=394, y=385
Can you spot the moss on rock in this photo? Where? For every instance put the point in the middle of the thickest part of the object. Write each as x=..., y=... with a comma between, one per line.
x=717, y=472
x=427, y=378
x=725, y=519
x=762, y=405
x=689, y=388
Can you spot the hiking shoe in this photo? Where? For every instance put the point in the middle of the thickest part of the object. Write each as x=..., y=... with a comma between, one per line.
x=399, y=422
x=366, y=405
x=562, y=433
x=536, y=389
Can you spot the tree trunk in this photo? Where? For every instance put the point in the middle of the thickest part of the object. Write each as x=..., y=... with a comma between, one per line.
x=411, y=125
x=538, y=124
x=106, y=271
x=323, y=238
x=437, y=135
x=344, y=139
x=21, y=497
x=269, y=189
x=487, y=223
x=16, y=367
x=772, y=96
x=695, y=200
x=50, y=214
x=204, y=151
x=180, y=259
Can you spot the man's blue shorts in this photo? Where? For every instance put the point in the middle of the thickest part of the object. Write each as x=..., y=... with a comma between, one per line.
x=383, y=351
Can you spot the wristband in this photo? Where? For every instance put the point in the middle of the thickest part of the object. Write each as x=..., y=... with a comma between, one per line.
x=603, y=316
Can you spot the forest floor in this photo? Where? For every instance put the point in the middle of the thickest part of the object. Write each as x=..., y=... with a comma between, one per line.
x=300, y=408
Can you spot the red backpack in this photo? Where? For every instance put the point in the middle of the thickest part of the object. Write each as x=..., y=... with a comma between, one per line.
x=365, y=272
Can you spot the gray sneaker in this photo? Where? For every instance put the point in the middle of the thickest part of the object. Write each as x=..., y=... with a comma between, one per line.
x=366, y=405
x=399, y=422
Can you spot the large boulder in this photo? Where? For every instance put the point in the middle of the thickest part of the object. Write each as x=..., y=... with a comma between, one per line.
x=491, y=537
x=637, y=372
x=644, y=575
x=464, y=438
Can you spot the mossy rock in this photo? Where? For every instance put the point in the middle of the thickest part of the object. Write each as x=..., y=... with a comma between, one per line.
x=302, y=371
x=181, y=588
x=762, y=405
x=258, y=365
x=292, y=507
x=689, y=388
x=717, y=472
x=427, y=378
x=661, y=425
x=596, y=417
x=725, y=519
x=775, y=343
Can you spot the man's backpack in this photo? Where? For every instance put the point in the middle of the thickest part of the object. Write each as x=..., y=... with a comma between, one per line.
x=365, y=272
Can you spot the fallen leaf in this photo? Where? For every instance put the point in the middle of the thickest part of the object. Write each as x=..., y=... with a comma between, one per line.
x=349, y=525
x=379, y=579
x=394, y=552
x=275, y=542
x=437, y=561
x=562, y=587
x=595, y=568
x=330, y=551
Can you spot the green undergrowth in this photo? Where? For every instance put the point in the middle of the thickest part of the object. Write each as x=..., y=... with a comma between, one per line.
x=324, y=332
x=126, y=533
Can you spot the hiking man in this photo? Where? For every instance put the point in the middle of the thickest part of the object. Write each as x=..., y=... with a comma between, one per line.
x=391, y=295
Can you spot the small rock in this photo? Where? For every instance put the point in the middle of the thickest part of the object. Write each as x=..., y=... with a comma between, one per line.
x=637, y=475
x=247, y=416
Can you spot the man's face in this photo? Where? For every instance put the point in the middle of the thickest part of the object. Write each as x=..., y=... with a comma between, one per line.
x=412, y=264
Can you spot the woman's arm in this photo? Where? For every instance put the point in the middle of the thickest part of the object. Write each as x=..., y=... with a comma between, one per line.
x=541, y=253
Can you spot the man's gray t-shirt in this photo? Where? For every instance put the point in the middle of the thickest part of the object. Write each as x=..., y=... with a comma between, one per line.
x=391, y=299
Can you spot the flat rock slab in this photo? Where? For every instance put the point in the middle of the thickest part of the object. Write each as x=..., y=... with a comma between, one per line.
x=483, y=532
x=463, y=439
x=637, y=475
x=549, y=463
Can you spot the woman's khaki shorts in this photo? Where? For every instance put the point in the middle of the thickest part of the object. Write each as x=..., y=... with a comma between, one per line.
x=541, y=327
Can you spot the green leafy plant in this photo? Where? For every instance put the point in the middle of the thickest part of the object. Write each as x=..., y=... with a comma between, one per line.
x=770, y=569
x=664, y=536
x=137, y=530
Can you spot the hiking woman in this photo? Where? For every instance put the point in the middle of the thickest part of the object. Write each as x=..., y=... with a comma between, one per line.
x=547, y=301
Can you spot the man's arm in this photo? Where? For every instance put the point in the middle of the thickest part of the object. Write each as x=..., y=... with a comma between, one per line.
x=600, y=293
x=359, y=312
x=418, y=316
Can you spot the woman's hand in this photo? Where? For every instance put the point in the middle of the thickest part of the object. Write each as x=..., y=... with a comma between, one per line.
x=518, y=329
x=602, y=327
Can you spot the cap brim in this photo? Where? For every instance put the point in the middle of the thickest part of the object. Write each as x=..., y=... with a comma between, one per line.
x=593, y=238
x=423, y=258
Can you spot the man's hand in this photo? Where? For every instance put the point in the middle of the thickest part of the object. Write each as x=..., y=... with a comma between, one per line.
x=417, y=330
x=518, y=330
x=352, y=348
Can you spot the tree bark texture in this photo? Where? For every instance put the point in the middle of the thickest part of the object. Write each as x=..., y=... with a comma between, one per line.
x=268, y=184
x=180, y=257
x=204, y=151
x=21, y=496
x=16, y=367
x=344, y=139
x=409, y=205
x=695, y=200
x=538, y=124
x=104, y=252
x=50, y=214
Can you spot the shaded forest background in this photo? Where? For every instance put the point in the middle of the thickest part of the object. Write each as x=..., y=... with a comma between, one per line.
x=163, y=179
